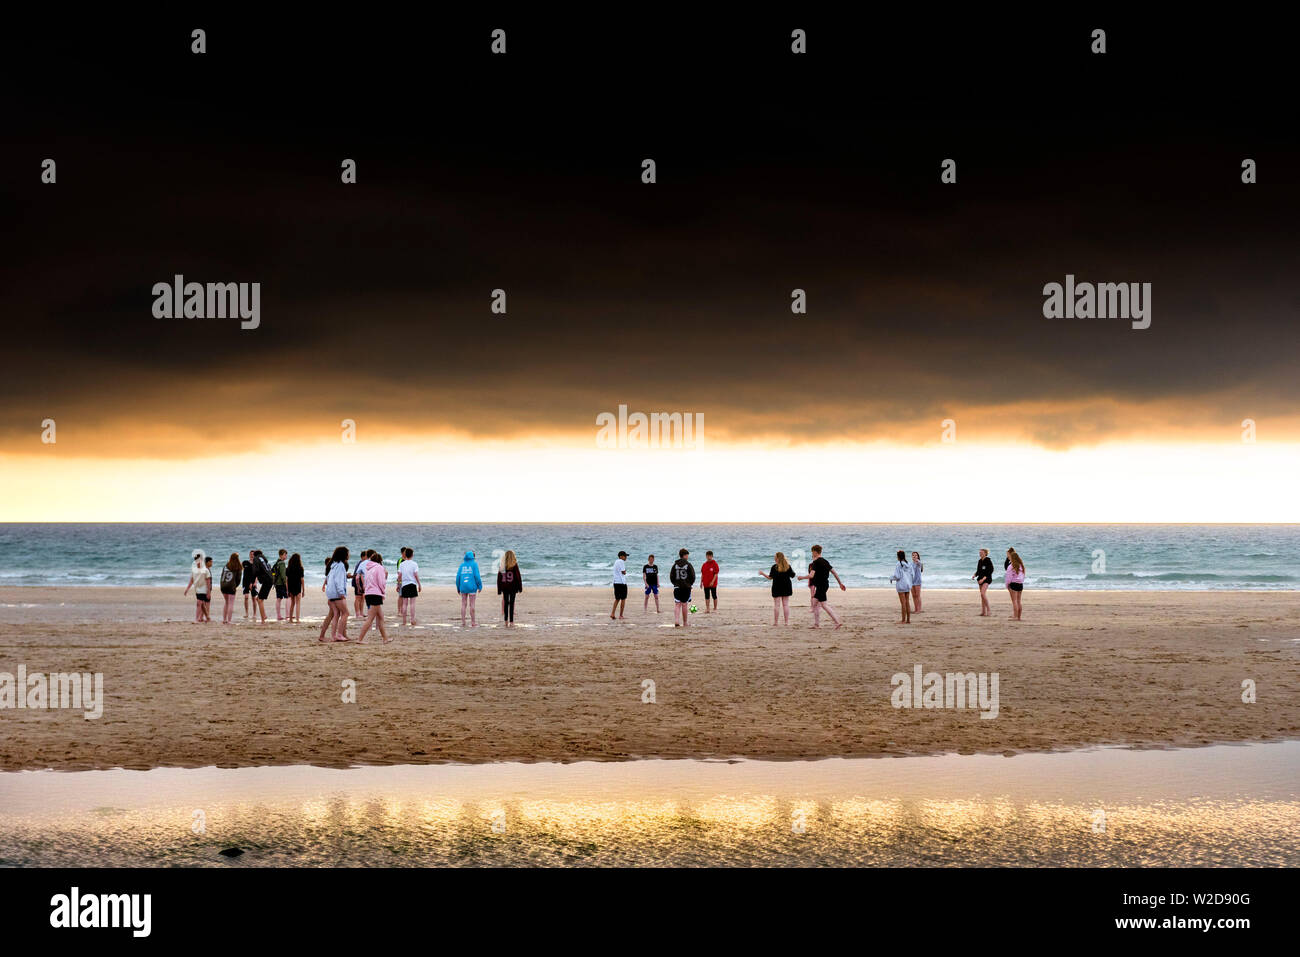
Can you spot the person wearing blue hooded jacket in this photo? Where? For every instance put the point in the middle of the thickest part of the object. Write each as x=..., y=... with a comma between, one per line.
x=469, y=583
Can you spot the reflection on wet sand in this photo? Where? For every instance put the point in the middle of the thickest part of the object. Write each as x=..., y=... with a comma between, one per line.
x=1214, y=806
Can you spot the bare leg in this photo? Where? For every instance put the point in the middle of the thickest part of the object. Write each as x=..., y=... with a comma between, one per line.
x=371, y=613
x=826, y=607
x=916, y=597
x=410, y=610
x=473, y=621
x=340, y=619
x=776, y=609
x=329, y=618
x=464, y=600
x=785, y=608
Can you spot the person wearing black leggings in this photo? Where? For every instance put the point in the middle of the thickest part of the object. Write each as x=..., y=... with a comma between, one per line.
x=510, y=582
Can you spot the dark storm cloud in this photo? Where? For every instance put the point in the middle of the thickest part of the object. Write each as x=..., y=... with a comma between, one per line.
x=924, y=300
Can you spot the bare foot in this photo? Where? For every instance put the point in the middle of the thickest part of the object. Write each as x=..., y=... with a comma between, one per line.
x=838, y=626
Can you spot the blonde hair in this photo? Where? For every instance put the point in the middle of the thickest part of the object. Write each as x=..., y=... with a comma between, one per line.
x=509, y=561
x=1016, y=563
x=781, y=564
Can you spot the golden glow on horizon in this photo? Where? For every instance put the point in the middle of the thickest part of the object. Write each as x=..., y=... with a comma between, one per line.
x=515, y=481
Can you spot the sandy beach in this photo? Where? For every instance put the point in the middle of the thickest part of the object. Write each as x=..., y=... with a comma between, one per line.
x=1145, y=669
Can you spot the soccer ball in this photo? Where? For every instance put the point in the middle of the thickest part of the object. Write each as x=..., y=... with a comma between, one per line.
x=694, y=609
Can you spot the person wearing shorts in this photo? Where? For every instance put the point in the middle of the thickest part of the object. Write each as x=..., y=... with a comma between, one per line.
x=709, y=579
x=376, y=584
x=229, y=586
x=1015, y=581
x=408, y=580
x=650, y=578
x=206, y=596
x=201, y=582
x=280, y=581
x=248, y=580
x=294, y=575
x=682, y=577
x=358, y=584
x=262, y=572
x=620, y=586
x=902, y=579
x=819, y=574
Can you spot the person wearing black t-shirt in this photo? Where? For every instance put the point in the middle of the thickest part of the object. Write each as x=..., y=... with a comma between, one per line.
x=248, y=581
x=782, y=578
x=819, y=573
x=983, y=576
x=650, y=579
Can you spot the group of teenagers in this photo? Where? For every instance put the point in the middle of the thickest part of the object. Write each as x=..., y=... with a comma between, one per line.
x=258, y=577
x=369, y=583
x=906, y=579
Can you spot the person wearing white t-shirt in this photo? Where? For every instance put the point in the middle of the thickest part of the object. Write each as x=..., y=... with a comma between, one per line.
x=620, y=586
x=408, y=584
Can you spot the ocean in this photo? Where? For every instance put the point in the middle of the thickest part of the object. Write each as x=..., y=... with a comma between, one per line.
x=1127, y=557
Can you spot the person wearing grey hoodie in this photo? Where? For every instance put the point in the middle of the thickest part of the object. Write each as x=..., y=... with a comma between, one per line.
x=468, y=583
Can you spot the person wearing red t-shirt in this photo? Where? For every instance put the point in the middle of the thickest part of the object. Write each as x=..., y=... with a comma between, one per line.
x=709, y=579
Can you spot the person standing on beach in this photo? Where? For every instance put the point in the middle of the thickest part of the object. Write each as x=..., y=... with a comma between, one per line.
x=620, y=586
x=229, y=585
x=248, y=580
x=294, y=575
x=468, y=583
x=1015, y=580
x=917, y=568
x=819, y=577
x=984, y=577
x=376, y=584
x=280, y=581
x=358, y=583
x=709, y=581
x=201, y=582
x=510, y=582
x=336, y=595
x=782, y=579
x=902, y=579
x=681, y=576
x=262, y=572
x=408, y=584
x=650, y=578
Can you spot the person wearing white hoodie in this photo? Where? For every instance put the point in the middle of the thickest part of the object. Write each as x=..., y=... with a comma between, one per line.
x=902, y=579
